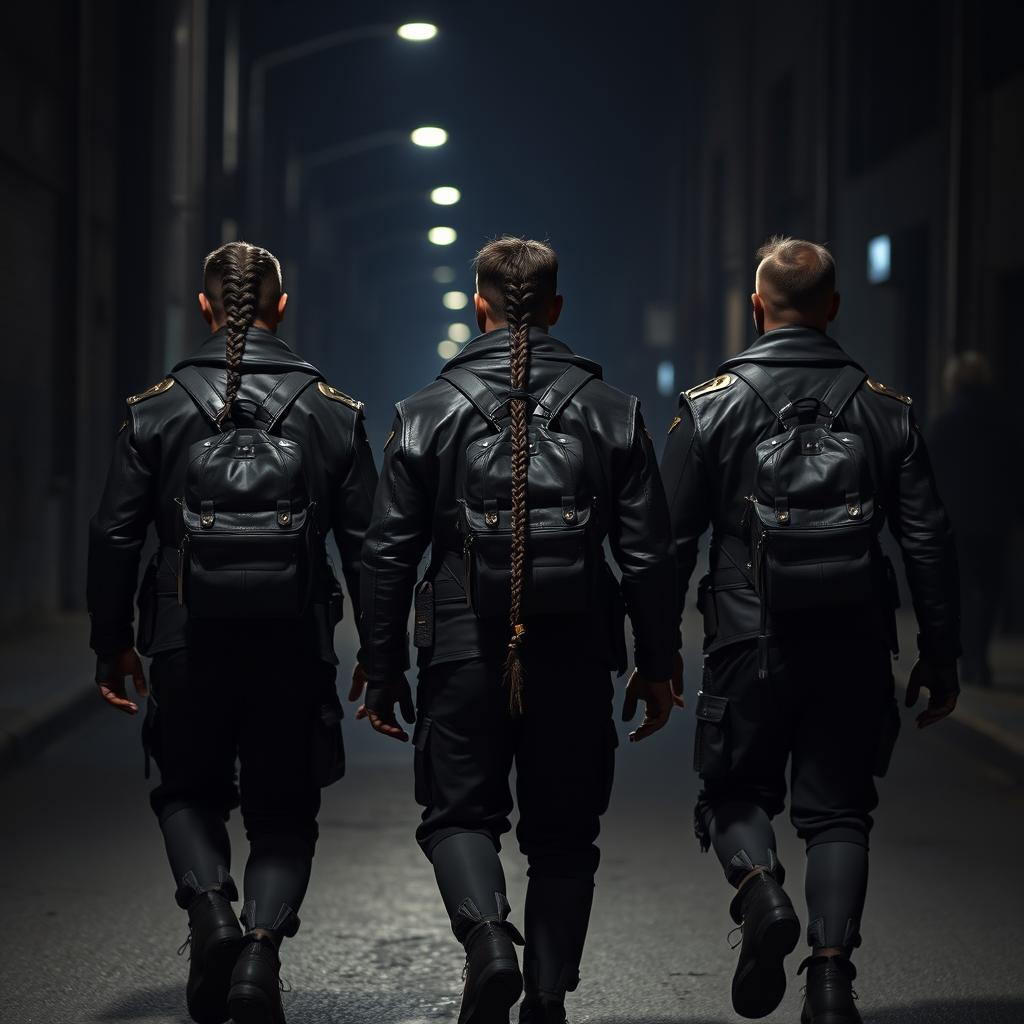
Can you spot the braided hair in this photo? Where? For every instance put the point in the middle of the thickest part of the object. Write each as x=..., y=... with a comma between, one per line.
x=518, y=277
x=242, y=282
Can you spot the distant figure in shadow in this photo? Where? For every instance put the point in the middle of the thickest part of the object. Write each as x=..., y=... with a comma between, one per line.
x=969, y=443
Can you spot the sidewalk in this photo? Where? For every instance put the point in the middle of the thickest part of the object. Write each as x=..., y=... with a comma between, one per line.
x=46, y=688
x=46, y=685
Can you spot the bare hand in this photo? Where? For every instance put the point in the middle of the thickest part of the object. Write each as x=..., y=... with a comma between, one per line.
x=359, y=681
x=677, y=681
x=943, y=689
x=385, y=721
x=658, y=700
x=110, y=678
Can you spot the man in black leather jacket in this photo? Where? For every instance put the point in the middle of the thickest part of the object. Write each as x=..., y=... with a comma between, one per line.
x=465, y=738
x=260, y=691
x=828, y=700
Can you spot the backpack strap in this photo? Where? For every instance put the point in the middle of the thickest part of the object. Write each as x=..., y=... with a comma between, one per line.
x=201, y=391
x=561, y=392
x=476, y=392
x=275, y=404
x=843, y=387
x=281, y=397
x=764, y=385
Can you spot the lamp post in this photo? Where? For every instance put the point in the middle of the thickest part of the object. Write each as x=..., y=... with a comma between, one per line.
x=412, y=32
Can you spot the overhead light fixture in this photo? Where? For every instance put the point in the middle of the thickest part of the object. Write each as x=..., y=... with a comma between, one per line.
x=441, y=236
x=429, y=136
x=417, y=31
x=443, y=275
x=459, y=333
x=879, y=259
x=446, y=195
x=447, y=349
x=455, y=300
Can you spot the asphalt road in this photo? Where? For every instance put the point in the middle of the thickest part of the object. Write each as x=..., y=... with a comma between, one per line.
x=89, y=927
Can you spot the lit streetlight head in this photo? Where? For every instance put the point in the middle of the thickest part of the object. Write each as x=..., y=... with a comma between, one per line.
x=447, y=349
x=441, y=236
x=429, y=136
x=459, y=333
x=442, y=275
x=445, y=196
x=455, y=300
x=417, y=31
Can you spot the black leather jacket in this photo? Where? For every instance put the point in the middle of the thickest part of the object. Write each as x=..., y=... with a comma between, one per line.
x=147, y=474
x=708, y=467
x=416, y=507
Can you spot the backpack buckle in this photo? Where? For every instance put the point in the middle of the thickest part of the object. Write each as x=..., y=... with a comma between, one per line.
x=569, y=510
x=491, y=512
x=206, y=516
x=284, y=513
x=782, y=510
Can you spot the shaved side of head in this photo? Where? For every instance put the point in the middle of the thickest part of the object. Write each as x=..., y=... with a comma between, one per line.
x=795, y=277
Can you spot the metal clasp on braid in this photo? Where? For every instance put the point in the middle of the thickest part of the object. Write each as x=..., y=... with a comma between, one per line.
x=518, y=636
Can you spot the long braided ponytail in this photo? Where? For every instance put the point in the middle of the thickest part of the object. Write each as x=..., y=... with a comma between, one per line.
x=520, y=275
x=241, y=281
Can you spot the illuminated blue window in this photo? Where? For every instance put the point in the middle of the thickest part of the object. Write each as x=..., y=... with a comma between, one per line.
x=666, y=379
x=879, y=259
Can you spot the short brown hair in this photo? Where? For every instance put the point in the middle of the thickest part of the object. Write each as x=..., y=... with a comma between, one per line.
x=530, y=265
x=798, y=275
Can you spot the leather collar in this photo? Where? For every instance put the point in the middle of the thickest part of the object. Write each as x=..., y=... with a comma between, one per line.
x=493, y=348
x=264, y=351
x=795, y=346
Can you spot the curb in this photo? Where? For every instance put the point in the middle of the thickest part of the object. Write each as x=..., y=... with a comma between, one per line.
x=26, y=733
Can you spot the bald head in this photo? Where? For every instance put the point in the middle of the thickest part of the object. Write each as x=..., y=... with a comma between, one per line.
x=795, y=284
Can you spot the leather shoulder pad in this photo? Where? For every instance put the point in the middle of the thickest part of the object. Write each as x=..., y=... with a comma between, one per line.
x=339, y=396
x=157, y=389
x=881, y=389
x=719, y=383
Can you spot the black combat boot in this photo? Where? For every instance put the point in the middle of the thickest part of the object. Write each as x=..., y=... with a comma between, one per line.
x=493, y=979
x=771, y=930
x=214, y=940
x=829, y=997
x=539, y=1010
x=255, y=995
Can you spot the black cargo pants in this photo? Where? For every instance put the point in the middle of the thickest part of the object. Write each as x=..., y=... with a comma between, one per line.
x=827, y=707
x=563, y=748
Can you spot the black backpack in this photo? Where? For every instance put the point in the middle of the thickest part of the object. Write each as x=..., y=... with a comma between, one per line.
x=811, y=517
x=249, y=545
x=561, y=504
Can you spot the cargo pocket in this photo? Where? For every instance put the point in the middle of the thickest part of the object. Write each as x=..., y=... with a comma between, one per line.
x=711, y=744
x=888, y=732
x=421, y=761
x=328, y=746
x=151, y=735
x=610, y=744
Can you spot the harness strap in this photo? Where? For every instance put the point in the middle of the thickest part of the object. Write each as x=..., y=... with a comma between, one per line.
x=274, y=405
x=764, y=385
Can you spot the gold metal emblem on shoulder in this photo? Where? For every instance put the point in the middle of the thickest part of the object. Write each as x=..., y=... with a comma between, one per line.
x=719, y=383
x=339, y=396
x=881, y=389
x=675, y=423
x=391, y=437
x=157, y=389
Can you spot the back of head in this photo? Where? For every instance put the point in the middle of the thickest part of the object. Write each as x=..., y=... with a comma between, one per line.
x=967, y=374
x=519, y=279
x=796, y=279
x=243, y=284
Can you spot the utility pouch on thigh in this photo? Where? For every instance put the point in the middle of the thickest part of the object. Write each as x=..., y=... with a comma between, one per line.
x=423, y=632
x=710, y=748
x=888, y=732
x=328, y=746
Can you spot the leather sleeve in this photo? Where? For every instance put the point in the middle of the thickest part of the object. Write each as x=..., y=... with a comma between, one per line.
x=116, y=534
x=689, y=499
x=919, y=523
x=351, y=508
x=641, y=542
x=399, y=533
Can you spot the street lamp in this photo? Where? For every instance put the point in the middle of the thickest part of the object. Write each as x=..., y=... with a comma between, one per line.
x=455, y=300
x=429, y=137
x=447, y=349
x=417, y=31
x=445, y=196
x=412, y=32
x=459, y=333
x=441, y=236
x=444, y=275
